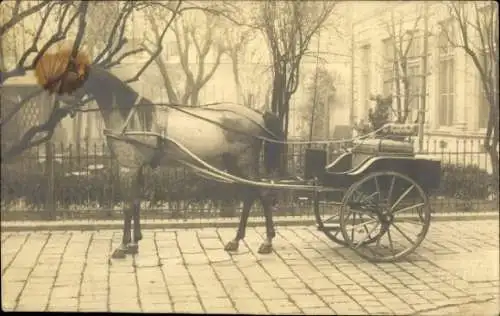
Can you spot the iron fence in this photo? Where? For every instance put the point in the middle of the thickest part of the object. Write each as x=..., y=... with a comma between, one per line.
x=63, y=182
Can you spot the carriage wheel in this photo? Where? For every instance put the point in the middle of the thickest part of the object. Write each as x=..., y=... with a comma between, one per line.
x=384, y=216
x=328, y=218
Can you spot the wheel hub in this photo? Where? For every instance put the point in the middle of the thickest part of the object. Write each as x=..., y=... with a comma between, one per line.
x=386, y=217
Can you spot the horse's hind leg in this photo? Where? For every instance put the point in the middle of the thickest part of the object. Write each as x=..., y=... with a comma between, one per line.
x=121, y=251
x=266, y=200
x=248, y=201
x=251, y=194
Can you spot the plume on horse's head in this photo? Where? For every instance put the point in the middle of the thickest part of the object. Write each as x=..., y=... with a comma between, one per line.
x=62, y=72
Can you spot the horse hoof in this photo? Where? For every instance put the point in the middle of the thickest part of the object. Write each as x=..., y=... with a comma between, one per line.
x=132, y=249
x=231, y=246
x=119, y=253
x=265, y=248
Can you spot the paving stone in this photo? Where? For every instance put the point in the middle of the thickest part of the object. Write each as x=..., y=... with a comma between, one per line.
x=157, y=308
x=247, y=305
x=321, y=280
x=188, y=307
x=304, y=301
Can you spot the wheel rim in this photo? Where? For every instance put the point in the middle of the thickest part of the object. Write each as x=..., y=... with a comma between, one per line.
x=396, y=216
x=329, y=217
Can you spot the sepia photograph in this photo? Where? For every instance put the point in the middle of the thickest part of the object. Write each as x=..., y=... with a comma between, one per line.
x=268, y=157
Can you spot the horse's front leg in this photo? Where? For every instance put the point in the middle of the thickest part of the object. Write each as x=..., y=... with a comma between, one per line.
x=266, y=199
x=138, y=186
x=122, y=250
x=131, y=211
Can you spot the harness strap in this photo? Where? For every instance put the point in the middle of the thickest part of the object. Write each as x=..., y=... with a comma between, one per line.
x=130, y=114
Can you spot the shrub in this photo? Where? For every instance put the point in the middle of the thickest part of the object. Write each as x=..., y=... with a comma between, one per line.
x=103, y=187
x=465, y=182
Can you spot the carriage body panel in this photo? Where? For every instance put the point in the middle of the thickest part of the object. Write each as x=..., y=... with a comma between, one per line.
x=342, y=173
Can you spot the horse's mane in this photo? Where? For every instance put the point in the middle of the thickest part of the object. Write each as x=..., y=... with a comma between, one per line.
x=51, y=67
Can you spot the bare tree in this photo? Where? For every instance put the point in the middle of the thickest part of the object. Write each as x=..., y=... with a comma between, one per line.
x=288, y=28
x=235, y=41
x=198, y=37
x=321, y=91
x=403, y=52
x=70, y=17
x=474, y=29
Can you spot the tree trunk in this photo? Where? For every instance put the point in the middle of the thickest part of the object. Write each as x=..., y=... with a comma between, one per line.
x=240, y=98
x=194, y=97
x=398, y=90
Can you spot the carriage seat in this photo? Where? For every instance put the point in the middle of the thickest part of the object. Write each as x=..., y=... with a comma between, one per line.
x=373, y=147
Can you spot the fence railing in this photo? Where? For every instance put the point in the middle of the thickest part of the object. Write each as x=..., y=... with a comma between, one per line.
x=59, y=182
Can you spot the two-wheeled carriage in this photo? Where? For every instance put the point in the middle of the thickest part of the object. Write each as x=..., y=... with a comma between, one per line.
x=373, y=185
x=382, y=208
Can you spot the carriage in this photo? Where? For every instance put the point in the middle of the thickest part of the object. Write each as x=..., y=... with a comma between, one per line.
x=365, y=192
x=358, y=199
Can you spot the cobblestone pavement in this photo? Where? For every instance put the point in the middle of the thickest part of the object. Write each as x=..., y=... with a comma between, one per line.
x=454, y=272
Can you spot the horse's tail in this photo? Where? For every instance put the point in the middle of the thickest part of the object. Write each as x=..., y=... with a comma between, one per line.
x=273, y=151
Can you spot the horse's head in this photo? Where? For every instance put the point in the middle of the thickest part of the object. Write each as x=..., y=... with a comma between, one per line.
x=64, y=73
x=71, y=76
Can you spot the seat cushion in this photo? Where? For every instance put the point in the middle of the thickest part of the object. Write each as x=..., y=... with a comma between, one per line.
x=380, y=146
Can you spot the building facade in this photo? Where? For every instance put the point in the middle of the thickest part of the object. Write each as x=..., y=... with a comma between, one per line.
x=455, y=103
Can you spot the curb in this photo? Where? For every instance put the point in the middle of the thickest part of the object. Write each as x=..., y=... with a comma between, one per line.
x=86, y=225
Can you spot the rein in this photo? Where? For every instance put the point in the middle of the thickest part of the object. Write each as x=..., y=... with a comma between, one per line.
x=267, y=139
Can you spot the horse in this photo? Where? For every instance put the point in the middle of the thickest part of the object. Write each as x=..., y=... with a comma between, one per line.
x=213, y=138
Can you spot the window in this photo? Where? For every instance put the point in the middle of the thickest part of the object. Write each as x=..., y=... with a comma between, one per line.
x=415, y=47
x=365, y=74
x=388, y=51
x=172, y=50
x=487, y=24
x=446, y=91
x=388, y=67
x=483, y=103
x=446, y=34
x=446, y=80
x=488, y=49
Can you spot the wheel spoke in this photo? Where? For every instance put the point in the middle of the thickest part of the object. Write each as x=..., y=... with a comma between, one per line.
x=352, y=231
x=355, y=195
x=403, y=220
x=408, y=208
x=367, y=236
x=331, y=217
x=390, y=240
x=402, y=197
x=389, y=194
x=366, y=229
x=368, y=213
x=377, y=188
x=364, y=223
x=402, y=233
x=369, y=197
x=336, y=233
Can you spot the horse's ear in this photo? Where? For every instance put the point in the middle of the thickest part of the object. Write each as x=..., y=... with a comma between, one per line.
x=60, y=72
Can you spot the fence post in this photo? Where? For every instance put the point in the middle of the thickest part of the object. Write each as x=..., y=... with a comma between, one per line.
x=49, y=174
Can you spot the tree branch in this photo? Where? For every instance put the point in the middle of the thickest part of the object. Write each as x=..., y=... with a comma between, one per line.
x=18, y=17
x=159, y=46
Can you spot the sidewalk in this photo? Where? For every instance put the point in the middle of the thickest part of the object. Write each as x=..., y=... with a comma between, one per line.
x=454, y=272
